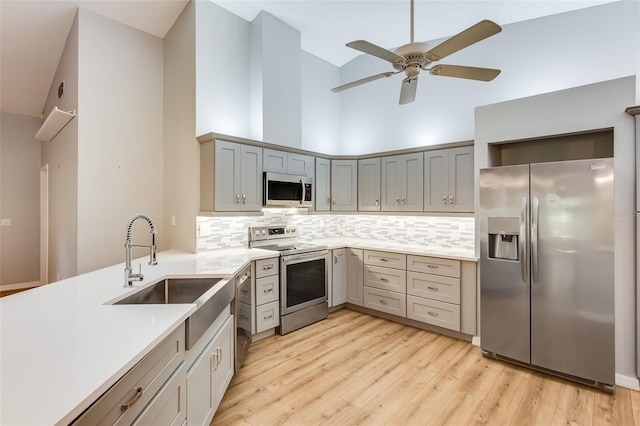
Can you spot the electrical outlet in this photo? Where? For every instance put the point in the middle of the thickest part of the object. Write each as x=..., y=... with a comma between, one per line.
x=5, y=222
x=173, y=220
x=401, y=224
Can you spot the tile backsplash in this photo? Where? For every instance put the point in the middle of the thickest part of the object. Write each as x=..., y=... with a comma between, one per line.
x=220, y=232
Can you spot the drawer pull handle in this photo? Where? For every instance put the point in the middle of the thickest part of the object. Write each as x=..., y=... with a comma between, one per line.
x=432, y=288
x=244, y=291
x=268, y=317
x=268, y=291
x=384, y=280
x=266, y=268
x=244, y=317
x=383, y=259
x=136, y=397
x=384, y=302
x=433, y=266
x=433, y=314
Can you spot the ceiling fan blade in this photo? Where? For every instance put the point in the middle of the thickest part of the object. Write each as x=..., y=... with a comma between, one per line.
x=377, y=51
x=471, y=73
x=466, y=38
x=408, y=90
x=362, y=81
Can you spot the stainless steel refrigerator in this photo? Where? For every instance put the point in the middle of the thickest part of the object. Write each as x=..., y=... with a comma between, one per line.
x=547, y=267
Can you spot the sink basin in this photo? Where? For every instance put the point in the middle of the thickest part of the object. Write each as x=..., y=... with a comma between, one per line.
x=211, y=296
x=170, y=291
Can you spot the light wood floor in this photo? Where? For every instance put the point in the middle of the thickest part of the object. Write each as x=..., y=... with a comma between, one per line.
x=357, y=369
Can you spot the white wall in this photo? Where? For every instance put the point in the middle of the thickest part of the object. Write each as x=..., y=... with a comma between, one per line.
x=181, y=150
x=119, y=137
x=537, y=56
x=19, y=199
x=222, y=71
x=320, y=107
x=596, y=106
x=61, y=153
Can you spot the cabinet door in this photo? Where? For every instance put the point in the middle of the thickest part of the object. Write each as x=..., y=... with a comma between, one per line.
x=461, y=179
x=274, y=161
x=339, y=277
x=436, y=180
x=299, y=164
x=168, y=406
x=251, y=178
x=391, y=183
x=344, y=185
x=322, y=183
x=369, y=184
x=413, y=182
x=199, y=388
x=227, y=176
x=355, y=276
x=224, y=358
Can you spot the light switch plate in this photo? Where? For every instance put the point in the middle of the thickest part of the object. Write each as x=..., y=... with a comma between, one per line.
x=5, y=222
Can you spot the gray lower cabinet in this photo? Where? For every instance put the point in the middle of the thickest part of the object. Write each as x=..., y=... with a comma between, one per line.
x=338, y=277
x=344, y=185
x=159, y=376
x=369, y=184
x=355, y=276
x=210, y=375
x=322, y=183
x=448, y=180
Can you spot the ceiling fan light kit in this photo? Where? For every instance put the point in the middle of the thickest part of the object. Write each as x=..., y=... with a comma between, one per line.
x=413, y=57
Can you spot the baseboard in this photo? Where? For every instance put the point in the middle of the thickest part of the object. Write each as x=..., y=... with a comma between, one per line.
x=628, y=382
x=475, y=340
x=19, y=286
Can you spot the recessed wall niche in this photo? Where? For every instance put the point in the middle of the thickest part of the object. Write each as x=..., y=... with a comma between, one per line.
x=574, y=146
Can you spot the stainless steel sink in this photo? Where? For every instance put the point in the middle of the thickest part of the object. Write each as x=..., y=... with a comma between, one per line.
x=211, y=296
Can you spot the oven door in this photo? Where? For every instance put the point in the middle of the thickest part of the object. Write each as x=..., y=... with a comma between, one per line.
x=303, y=280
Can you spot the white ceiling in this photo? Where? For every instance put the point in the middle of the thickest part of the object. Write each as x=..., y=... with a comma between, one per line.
x=33, y=32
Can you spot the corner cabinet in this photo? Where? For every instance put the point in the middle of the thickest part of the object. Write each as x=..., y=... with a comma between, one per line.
x=322, y=183
x=344, y=185
x=448, y=180
x=402, y=182
x=230, y=177
x=369, y=184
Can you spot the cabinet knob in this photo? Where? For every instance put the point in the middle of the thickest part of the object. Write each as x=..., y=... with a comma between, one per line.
x=377, y=201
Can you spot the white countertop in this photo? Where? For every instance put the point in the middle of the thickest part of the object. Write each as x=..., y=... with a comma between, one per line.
x=61, y=346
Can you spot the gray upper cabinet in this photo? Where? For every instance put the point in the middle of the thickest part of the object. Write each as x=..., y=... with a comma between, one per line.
x=369, y=184
x=344, y=185
x=402, y=182
x=322, y=184
x=448, y=180
x=287, y=162
x=238, y=177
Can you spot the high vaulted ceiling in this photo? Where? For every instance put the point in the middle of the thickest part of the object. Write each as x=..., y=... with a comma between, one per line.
x=33, y=32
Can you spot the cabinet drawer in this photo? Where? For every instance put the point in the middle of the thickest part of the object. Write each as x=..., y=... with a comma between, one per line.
x=444, y=289
x=169, y=405
x=267, y=316
x=446, y=315
x=266, y=267
x=434, y=265
x=143, y=381
x=385, y=278
x=385, y=301
x=267, y=289
x=386, y=259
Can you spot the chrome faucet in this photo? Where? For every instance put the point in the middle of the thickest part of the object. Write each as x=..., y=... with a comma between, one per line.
x=129, y=276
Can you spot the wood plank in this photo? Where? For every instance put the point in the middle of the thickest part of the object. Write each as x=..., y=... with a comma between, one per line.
x=354, y=368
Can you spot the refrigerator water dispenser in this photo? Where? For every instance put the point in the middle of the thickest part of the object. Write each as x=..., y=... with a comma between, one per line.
x=504, y=234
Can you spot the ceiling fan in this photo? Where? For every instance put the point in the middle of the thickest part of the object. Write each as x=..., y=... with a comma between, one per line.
x=415, y=56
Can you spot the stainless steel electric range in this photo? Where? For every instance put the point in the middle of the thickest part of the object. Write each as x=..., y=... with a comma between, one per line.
x=303, y=275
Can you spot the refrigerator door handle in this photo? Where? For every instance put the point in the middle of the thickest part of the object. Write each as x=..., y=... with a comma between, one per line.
x=534, y=238
x=522, y=247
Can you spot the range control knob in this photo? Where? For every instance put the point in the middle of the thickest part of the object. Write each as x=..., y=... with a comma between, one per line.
x=264, y=232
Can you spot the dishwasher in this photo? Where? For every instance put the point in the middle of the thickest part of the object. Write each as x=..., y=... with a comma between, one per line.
x=243, y=314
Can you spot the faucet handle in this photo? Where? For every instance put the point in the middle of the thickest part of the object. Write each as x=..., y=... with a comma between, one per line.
x=139, y=275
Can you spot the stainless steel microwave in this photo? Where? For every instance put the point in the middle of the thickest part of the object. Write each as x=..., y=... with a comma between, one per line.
x=281, y=190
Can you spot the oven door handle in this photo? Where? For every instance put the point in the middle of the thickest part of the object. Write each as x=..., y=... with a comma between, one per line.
x=305, y=256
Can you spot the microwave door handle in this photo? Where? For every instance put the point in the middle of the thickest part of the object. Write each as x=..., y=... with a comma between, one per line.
x=303, y=191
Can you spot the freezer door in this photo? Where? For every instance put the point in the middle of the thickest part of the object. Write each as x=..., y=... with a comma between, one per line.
x=572, y=268
x=504, y=262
